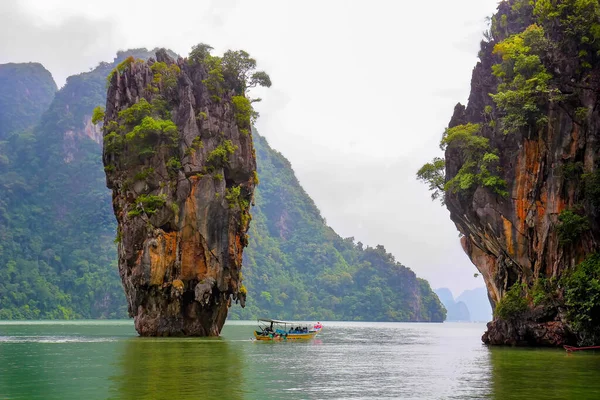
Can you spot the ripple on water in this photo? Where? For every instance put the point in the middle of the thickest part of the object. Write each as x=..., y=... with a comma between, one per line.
x=56, y=339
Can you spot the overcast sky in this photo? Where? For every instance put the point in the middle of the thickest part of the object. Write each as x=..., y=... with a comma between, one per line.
x=362, y=91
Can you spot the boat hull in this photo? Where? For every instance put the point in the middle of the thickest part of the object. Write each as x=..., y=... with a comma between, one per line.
x=285, y=337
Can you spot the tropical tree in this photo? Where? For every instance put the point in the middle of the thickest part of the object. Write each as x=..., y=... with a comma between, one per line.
x=239, y=71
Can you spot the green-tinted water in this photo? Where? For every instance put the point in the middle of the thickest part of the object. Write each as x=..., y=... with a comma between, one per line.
x=105, y=360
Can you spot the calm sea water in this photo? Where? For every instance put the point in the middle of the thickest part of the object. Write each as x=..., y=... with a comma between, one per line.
x=106, y=360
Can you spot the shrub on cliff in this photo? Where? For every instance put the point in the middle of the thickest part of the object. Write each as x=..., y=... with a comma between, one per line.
x=591, y=183
x=543, y=291
x=120, y=68
x=582, y=297
x=134, y=114
x=572, y=226
x=199, y=53
x=512, y=304
x=165, y=76
x=219, y=157
x=215, y=81
x=97, y=115
x=479, y=164
x=144, y=126
x=236, y=70
x=147, y=204
x=561, y=36
x=433, y=174
x=525, y=88
x=239, y=72
x=245, y=115
x=575, y=27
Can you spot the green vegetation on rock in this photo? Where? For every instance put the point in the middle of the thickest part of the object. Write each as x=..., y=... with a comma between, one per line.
x=244, y=113
x=219, y=157
x=525, y=89
x=98, y=115
x=513, y=303
x=236, y=71
x=145, y=128
x=434, y=174
x=147, y=204
x=528, y=58
x=571, y=226
x=479, y=164
x=582, y=297
x=120, y=68
x=165, y=77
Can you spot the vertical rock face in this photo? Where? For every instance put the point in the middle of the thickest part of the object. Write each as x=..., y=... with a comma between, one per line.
x=182, y=171
x=515, y=239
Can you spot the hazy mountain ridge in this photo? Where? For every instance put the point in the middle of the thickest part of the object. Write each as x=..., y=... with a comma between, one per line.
x=471, y=305
x=478, y=303
x=28, y=89
x=455, y=310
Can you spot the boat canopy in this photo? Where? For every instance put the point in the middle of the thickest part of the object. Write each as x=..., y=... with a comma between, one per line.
x=275, y=321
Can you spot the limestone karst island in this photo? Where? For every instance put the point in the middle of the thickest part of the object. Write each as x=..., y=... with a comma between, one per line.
x=520, y=174
x=178, y=156
x=154, y=244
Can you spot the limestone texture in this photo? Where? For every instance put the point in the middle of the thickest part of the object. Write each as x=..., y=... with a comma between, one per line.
x=514, y=239
x=181, y=198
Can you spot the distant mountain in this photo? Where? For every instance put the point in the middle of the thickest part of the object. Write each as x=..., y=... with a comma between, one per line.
x=27, y=90
x=478, y=303
x=445, y=296
x=57, y=256
x=456, y=310
x=58, y=259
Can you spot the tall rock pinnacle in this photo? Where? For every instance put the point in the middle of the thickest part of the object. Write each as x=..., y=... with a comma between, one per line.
x=179, y=159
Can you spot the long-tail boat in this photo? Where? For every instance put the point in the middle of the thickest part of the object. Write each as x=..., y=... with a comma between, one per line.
x=272, y=329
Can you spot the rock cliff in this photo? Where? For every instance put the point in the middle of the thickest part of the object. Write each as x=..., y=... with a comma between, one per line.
x=520, y=168
x=179, y=159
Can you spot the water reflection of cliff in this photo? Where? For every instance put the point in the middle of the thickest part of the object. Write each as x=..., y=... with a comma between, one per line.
x=178, y=369
x=543, y=374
